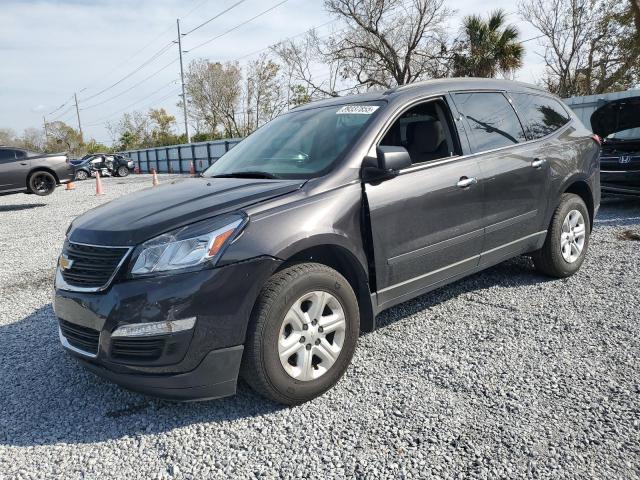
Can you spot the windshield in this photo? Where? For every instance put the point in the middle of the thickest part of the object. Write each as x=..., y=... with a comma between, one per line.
x=299, y=144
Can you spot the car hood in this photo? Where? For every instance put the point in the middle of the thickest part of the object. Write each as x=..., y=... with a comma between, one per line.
x=137, y=217
x=616, y=116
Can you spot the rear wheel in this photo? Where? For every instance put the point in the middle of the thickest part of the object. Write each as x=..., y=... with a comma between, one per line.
x=122, y=171
x=42, y=183
x=303, y=332
x=82, y=175
x=567, y=239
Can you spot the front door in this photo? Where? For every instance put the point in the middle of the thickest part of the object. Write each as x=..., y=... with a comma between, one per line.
x=426, y=222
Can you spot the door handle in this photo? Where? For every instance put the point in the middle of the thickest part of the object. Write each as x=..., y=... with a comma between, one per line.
x=465, y=182
x=538, y=163
x=23, y=163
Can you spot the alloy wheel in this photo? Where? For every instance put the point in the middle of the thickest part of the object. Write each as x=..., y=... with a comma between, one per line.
x=573, y=236
x=312, y=335
x=43, y=183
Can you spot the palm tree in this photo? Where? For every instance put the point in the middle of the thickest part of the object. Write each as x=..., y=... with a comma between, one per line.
x=489, y=47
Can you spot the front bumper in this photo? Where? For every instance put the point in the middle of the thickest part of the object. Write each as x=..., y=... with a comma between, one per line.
x=623, y=182
x=199, y=363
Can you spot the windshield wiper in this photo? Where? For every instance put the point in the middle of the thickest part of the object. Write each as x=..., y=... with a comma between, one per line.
x=250, y=174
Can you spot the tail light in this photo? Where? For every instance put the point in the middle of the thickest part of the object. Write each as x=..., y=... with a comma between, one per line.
x=597, y=139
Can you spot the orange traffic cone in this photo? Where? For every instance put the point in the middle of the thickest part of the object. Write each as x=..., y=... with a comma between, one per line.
x=99, y=190
x=70, y=186
x=192, y=170
x=154, y=175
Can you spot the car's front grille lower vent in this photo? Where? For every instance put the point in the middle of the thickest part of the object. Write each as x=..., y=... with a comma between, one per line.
x=89, y=266
x=137, y=349
x=82, y=338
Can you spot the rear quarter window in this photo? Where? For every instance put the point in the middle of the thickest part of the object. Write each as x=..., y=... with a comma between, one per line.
x=492, y=120
x=540, y=115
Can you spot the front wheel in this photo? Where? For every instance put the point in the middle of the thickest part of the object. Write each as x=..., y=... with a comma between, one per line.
x=567, y=239
x=42, y=183
x=302, y=335
x=122, y=171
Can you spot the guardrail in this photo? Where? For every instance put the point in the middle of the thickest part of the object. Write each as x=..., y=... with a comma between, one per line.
x=178, y=158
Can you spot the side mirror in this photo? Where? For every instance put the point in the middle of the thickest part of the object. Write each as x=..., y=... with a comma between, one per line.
x=388, y=162
x=392, y=159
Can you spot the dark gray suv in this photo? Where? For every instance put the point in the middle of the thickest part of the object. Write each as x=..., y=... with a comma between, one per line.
x=271, y=264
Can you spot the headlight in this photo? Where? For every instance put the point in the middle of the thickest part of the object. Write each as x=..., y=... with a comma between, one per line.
x=188, y=247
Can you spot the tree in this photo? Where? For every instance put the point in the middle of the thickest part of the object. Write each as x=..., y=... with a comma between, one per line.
x=62, y=137
x=133, y=130
x=591, y=46
x=303, y=60
x=33, y=139
x=7, y=137
x=489, y=47
x=213, y=94
x=162, y=127
x=265, y=93
x=387, y=42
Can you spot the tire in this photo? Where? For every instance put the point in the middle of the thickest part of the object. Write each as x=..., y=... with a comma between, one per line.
x=122, y=172
x=42, y=183
x=552, y=258
x=262, y=366
x=81, y=175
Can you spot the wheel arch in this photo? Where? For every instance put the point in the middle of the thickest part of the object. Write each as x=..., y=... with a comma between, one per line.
x=583, y=190
x=41, y=169
x=347, y=264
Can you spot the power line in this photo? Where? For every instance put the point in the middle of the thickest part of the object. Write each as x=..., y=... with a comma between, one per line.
x=133, y=86
x=144, y=64
x=112, y=114
x=214, y=17
x=264, y=12
x=61, y=106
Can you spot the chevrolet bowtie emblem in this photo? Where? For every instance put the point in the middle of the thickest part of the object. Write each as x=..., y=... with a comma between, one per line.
x=65, y=263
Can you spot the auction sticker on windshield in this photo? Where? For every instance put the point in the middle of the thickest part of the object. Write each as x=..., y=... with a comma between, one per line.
x=357, y=110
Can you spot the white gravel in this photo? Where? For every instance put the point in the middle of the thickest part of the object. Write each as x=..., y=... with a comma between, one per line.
x=506, y=374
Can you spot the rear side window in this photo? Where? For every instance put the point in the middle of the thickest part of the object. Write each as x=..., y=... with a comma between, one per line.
x=493, y=122
x=540, y=115
x=7, y=155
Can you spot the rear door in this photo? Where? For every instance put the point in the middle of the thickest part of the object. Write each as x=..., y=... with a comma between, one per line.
x=514, y=174
x=426, y=222
x=13, y=170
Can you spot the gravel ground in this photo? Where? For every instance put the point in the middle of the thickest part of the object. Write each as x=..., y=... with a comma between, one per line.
x=506, y=374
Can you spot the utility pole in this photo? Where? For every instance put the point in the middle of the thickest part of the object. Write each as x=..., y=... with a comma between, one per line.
x=78, y=114
x=46, y=132
x=184, y=97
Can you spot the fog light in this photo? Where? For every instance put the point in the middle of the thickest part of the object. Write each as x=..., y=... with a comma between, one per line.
x=154, y=328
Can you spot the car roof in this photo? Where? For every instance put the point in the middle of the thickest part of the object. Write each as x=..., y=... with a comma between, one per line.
x=427, y=87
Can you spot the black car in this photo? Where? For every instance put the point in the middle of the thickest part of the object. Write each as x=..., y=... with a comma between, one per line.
x=273, y=262
x=31, y=172
x=618, y=123
x=107, y=164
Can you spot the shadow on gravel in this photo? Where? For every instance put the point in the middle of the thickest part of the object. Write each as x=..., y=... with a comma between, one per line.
x=46, y=397
x=24, y=206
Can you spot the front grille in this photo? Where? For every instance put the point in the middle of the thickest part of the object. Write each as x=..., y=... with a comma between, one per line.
x=91, y=266
x=612, y=164
x=82, y=338
x=137, y=349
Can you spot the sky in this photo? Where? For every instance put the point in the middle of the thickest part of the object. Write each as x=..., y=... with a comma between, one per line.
x=50, y=50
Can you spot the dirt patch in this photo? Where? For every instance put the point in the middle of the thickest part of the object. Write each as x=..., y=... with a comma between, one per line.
x=628, y=235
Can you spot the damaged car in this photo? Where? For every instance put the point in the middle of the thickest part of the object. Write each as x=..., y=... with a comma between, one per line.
x=618, y=124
